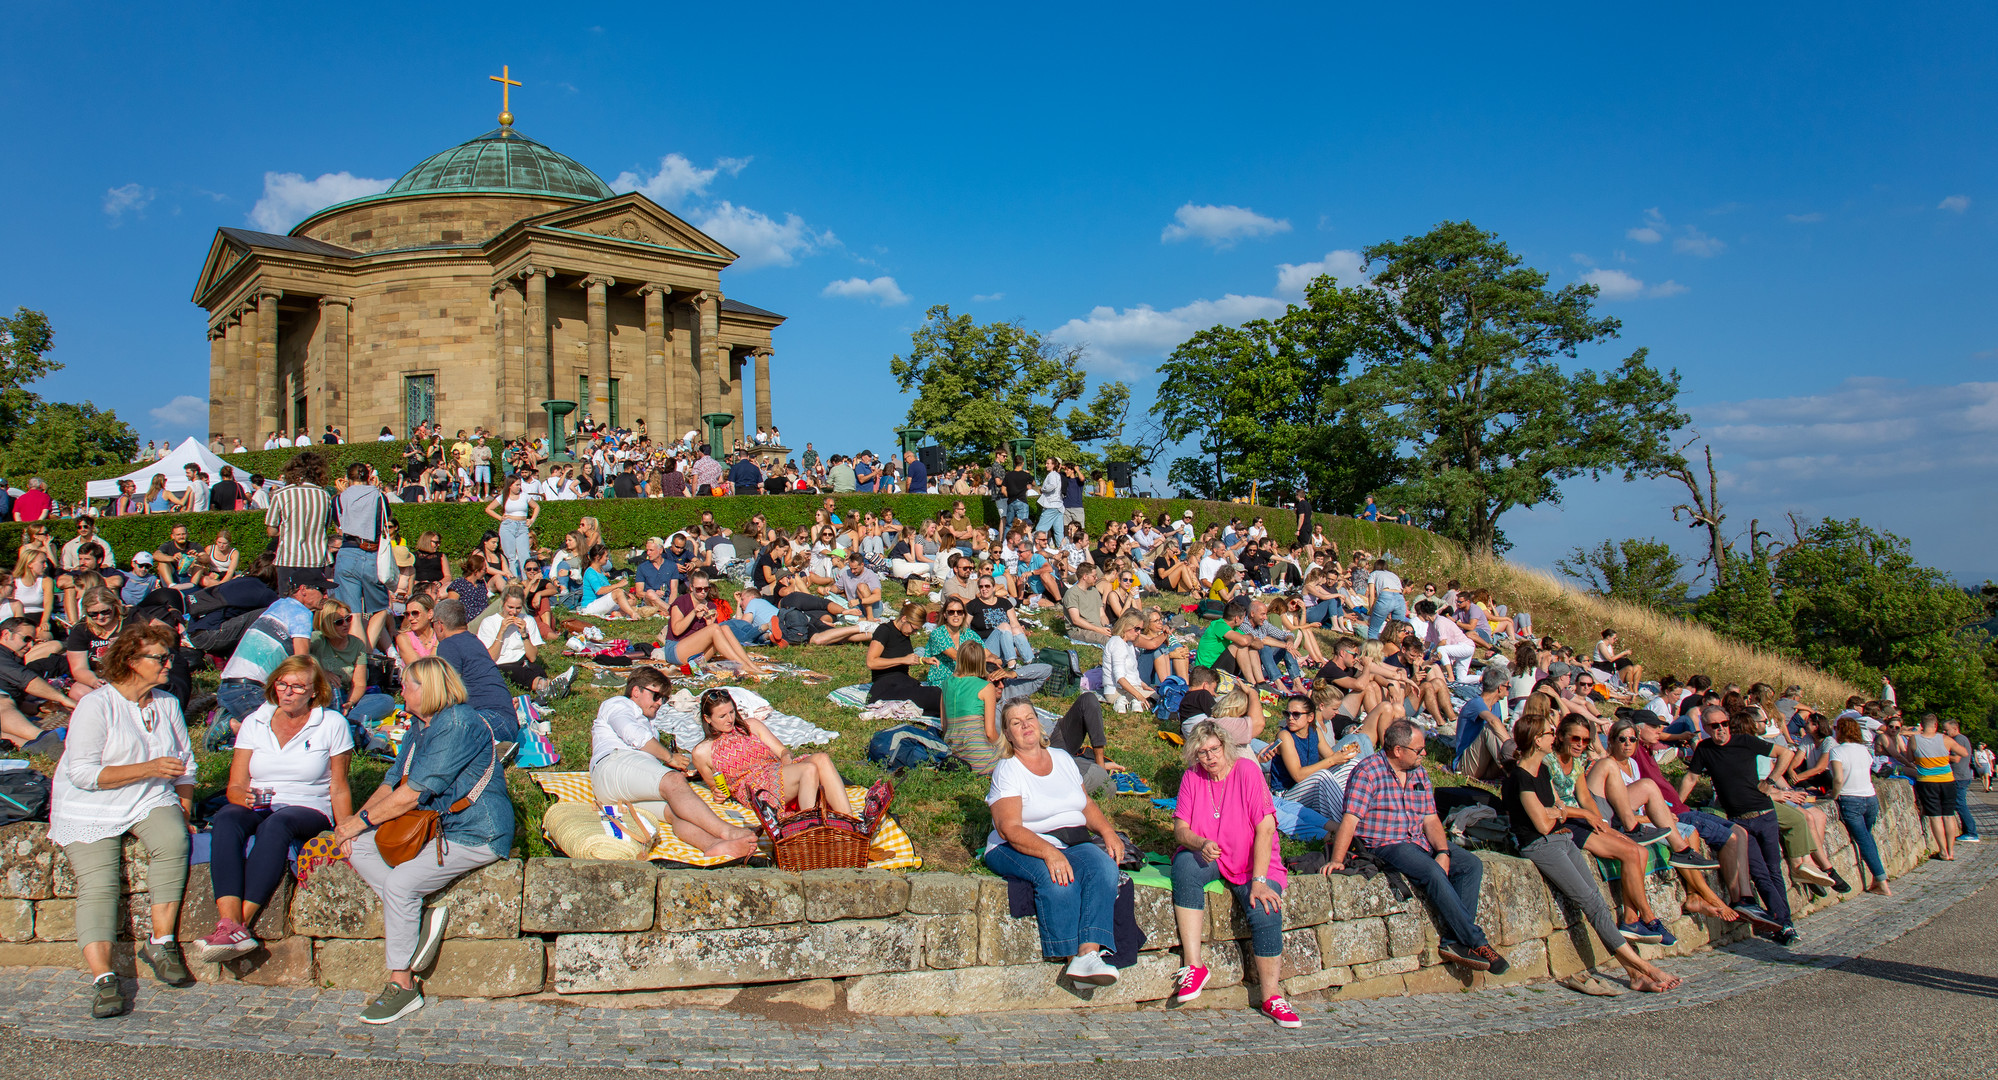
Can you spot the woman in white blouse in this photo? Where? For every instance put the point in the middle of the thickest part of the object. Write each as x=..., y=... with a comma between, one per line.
x=287, y=783
x=629, y=764
x=127, y=767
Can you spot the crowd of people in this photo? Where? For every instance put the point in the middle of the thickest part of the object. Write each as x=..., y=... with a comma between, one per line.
x=1385, y=684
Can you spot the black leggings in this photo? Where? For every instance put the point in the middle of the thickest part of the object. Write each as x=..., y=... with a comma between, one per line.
x=255, y=877
x=897, y=686
x=1084, y=719
x=524, y=673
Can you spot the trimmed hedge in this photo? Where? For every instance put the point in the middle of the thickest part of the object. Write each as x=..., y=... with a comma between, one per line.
x=628, y=522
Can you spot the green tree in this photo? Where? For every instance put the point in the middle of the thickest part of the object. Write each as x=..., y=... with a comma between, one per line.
x=37, y=436
x=1743, y=604
x=1459, y=342
x=979, y=385
x=67, y=436
x=1644, y=572
x=1860, y=606
x=1255, y=396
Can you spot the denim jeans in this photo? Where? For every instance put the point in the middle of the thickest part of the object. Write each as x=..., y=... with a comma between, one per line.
x=1764, y=835
x=1190, y=875
x=514, y=543
x=1963, y=807
x=361, y=718
x=235, y=700
x=747, y=633
x=355, y=583
x=1275, y=658
x=1389, y=606
x=1050, y=522
x=1007, y=645
x=1323, y=611
x=1085, y=909
x=1859, y=812
x=1454, y=895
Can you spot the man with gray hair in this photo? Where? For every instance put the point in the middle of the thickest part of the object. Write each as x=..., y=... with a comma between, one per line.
x=1391, y=808
x=1482, y=729
x=485, y=686
x=34, y=503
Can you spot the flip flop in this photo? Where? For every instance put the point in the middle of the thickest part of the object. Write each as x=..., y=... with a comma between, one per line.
x=1586, y=982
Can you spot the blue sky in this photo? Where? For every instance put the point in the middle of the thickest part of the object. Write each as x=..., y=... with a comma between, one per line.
x=1791, y=205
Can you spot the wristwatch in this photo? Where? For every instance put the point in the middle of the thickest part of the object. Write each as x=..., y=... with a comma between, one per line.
x=363, y=815
x=1259, y=880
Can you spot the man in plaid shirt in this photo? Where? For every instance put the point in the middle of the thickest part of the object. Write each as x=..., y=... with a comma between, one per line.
x=1391, y=808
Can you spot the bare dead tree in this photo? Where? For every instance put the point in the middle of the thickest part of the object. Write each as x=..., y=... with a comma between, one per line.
x=1704, y=509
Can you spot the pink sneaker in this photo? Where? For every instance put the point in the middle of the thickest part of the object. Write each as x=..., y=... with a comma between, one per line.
x=1188, y=982
x=1280, y=1011
x=228, y=942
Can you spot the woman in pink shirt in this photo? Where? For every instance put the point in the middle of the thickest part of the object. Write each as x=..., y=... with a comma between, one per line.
x=1225, y=826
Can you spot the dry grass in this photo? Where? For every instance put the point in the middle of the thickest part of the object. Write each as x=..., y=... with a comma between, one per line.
x=1662, y=643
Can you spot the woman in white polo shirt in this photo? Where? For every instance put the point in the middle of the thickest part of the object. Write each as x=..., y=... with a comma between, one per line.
x=287, y=783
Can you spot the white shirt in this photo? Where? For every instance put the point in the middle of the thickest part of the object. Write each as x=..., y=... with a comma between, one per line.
x=272, y=443
x=1210, y=566
x=1858, y=763
x=197, y=497
x=1120, y=664
x=302, y=440
x=1054, y=801
x=620, y=725
x=513, y=652
x=1384, y=582
x=107, y=729
x=300, y=772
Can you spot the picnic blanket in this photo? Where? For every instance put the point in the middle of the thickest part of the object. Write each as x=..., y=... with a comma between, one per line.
x=680, y=717
x=855, y=697
x=891, y=850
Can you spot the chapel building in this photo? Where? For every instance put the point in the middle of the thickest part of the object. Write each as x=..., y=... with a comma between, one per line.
x=491, y=277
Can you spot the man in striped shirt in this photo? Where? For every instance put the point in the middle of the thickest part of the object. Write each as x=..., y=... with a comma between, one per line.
x=297, y=518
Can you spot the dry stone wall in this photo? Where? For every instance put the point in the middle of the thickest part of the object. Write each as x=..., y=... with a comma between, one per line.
x=895, y=944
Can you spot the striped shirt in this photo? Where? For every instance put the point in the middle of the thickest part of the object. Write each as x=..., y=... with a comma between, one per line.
x=299, y=513
x=1931, y=754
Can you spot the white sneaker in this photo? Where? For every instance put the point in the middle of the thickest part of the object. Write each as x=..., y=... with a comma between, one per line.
x=1091, y=968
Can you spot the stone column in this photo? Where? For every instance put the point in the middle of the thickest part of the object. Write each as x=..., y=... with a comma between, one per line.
x=713, y=376
x=331, y=388
x=735, y=360
x=269, y=409
x=510, y=358
x=686, y=367
x=658, y=420
x=597, y=310
x=540, y=374
x=221, y=422
x=245, y=337
x=763, y=388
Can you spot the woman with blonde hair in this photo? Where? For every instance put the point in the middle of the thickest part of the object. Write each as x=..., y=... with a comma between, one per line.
x=418, y=638
x=157, y=499
x=343, y=656
x=448, y=764
x=287, y=783
x=34, y=595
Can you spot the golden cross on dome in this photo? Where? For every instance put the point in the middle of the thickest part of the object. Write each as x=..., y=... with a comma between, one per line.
x=506, y=86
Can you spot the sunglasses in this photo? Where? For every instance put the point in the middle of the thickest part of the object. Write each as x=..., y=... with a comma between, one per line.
x=101, y=613
x=1626, y=738
x=1578, y=738
x=1295, y=712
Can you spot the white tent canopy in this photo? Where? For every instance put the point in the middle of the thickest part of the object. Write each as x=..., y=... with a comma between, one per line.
x=173, y=466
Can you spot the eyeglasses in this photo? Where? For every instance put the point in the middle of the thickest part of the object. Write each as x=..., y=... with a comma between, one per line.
x=155, y=657
x=291, y=688
x=1578, y=739
x=1626, y=738
x=1296, y=712
x=101, y=613
x=1217, y=750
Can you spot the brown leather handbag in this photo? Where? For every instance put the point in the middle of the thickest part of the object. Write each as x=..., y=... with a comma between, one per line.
x=402, y=838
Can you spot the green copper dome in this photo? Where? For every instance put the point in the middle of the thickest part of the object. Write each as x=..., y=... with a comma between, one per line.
x=502, y=160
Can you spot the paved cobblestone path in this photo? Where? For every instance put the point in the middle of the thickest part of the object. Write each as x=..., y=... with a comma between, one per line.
x=52, y=1004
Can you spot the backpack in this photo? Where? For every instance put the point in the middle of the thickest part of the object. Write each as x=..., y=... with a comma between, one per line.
x=24, y=796
x=907, y=746
x=1172, y=690
x=796, y=626
x=1065, y=678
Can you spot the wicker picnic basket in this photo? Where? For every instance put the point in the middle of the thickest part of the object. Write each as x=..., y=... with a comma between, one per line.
x=820, y=839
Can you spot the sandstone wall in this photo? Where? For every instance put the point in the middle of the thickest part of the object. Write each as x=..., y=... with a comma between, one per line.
x=902, y=944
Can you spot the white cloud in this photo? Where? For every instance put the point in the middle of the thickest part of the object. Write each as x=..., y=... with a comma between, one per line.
x=677, y=179
x=1955, y=204
x=1115, y=337
x=1219, y=226
x=1622, y=285
x=1645, y=234
x=881, y=290
x=1811, y=218
x=185, y=411
x=760, y=239
x=126, y=199
x=1343, y=265
x=290, y=198
x=1614, y=284
x=1582, y=259
x=1866, y=435
x=986, y=298
x=1694, y=242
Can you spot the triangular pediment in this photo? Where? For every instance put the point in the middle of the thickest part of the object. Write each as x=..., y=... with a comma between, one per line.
x=223, y=254
x=635, y=219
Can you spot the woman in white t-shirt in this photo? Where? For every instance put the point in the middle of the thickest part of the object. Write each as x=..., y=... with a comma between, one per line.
x=287, y=784
x=1042, y=825
x=1858, y=805
x=629, y=764
x=514, y=642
